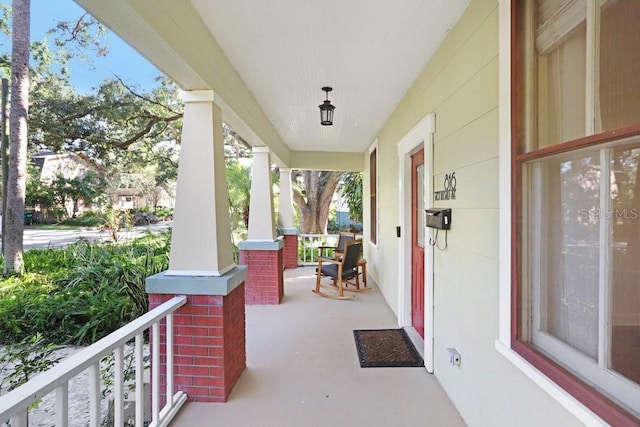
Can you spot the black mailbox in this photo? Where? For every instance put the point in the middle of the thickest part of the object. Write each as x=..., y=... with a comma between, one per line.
x=438, y=218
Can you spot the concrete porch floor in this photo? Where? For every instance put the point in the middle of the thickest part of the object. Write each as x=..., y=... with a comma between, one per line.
x=303, y=369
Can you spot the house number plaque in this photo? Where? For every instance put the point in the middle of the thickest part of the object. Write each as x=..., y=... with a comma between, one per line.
x=449, y=192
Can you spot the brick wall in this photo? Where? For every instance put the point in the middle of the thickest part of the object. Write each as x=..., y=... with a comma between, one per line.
x=291, y=250
x=209, y=345
x=265, y=280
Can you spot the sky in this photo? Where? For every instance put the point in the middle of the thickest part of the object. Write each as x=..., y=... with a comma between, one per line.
x=121, y=60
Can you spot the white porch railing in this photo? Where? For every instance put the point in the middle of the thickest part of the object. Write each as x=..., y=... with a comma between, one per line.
x=308, y=246
x=15, y=404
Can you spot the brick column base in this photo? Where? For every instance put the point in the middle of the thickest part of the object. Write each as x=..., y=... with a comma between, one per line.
x=209, y=341
x=265, y=280
x=290, y=250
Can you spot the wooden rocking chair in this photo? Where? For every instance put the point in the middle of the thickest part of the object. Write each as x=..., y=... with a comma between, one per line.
x=338, y=250
x=340, y=271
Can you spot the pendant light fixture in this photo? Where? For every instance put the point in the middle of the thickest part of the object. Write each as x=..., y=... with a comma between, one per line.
x=326, y=109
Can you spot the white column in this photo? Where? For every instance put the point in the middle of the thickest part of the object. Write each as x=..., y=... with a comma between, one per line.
x=201, y=237
x=262, y=226
x=285, y=207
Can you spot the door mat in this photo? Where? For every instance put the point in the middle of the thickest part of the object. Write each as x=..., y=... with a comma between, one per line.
x=388, y=348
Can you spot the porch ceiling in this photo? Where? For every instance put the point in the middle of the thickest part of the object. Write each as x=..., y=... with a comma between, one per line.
x=269, y=59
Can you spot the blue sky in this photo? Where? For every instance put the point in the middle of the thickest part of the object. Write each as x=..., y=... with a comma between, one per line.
x=122, y=60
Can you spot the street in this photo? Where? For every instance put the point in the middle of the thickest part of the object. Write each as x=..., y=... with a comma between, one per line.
x=37, y=237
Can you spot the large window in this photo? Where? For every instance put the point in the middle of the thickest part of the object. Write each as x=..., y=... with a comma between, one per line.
x=577, y=158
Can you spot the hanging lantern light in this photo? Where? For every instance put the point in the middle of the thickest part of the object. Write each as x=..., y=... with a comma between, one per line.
x=326, y=109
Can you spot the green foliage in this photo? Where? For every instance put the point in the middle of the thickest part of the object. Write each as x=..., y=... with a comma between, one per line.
x=89, y=188
x=116, y=116
x=43, y=196
x=115, y=220
x=352, y=192
x=81, y=293
x=239, y=191
x=25, y=359
x=163, y=213
x=86, y=219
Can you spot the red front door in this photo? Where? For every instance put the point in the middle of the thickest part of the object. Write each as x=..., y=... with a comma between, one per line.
x=417, y=242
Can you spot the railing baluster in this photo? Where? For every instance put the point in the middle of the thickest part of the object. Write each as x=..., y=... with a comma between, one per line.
x=94, y=395
x=155, y=380
x=62, y=405
x=169, y=363
x=139, y=381
x=20, y=420
x=304, y=249
x=14, y=405
x=310, y=242
x=118, y=386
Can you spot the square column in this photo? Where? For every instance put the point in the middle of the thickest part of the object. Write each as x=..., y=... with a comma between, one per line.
x=285, y=205
x=290, y=256
x=265, y=278
x=209, y=334
x=209, y=330
x=201, y=237
x=262, y=252
x=285, y=220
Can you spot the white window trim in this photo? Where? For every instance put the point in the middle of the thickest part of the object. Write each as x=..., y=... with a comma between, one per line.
x=503, y=343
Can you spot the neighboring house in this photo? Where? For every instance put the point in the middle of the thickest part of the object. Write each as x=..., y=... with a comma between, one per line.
x=134, y=198
x=127, y=198
x=524, y=119
x=139, y=190
x=342, y=213
x=68, y=165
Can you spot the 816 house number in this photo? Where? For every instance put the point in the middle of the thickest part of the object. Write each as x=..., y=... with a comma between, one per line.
x=449, y=192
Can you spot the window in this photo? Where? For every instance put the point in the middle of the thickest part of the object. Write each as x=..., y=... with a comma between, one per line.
x=373, y=191
x=577, y=157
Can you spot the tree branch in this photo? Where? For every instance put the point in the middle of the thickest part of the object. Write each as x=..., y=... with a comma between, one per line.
x=147, y=130
x=95, y=109
x=144, y=98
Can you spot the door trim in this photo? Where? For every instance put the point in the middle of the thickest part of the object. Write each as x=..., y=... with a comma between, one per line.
x=421, y=136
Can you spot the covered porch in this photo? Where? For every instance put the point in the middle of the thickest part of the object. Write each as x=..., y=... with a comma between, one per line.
x=424, y=99
x=303, y=369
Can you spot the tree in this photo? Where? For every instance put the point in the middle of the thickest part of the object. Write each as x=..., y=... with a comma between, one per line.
x=351, y=191
x=89, y=188
x=41, y=195
x=117, y=116
x=77, y=37
x=16, y=182
x=312, y=194
x=239, y=192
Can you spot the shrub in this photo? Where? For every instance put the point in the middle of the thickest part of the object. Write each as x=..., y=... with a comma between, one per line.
x=21, y=361
x=81, y=293
x=164, y=213
x=86, y=219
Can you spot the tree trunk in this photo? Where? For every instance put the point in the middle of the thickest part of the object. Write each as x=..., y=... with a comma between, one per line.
x=16, y=184
x=4, y=154
x=313, y=197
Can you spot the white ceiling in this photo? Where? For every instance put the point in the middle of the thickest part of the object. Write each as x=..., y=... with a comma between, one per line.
x=369, y=51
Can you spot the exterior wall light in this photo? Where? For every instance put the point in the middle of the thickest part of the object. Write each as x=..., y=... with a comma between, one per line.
x=326, y=109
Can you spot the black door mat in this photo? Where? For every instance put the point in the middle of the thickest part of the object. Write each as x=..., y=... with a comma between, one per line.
x=386, y=348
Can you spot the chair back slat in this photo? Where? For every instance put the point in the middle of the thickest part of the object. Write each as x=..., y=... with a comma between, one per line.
x=343, y=238
x=351, y=255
